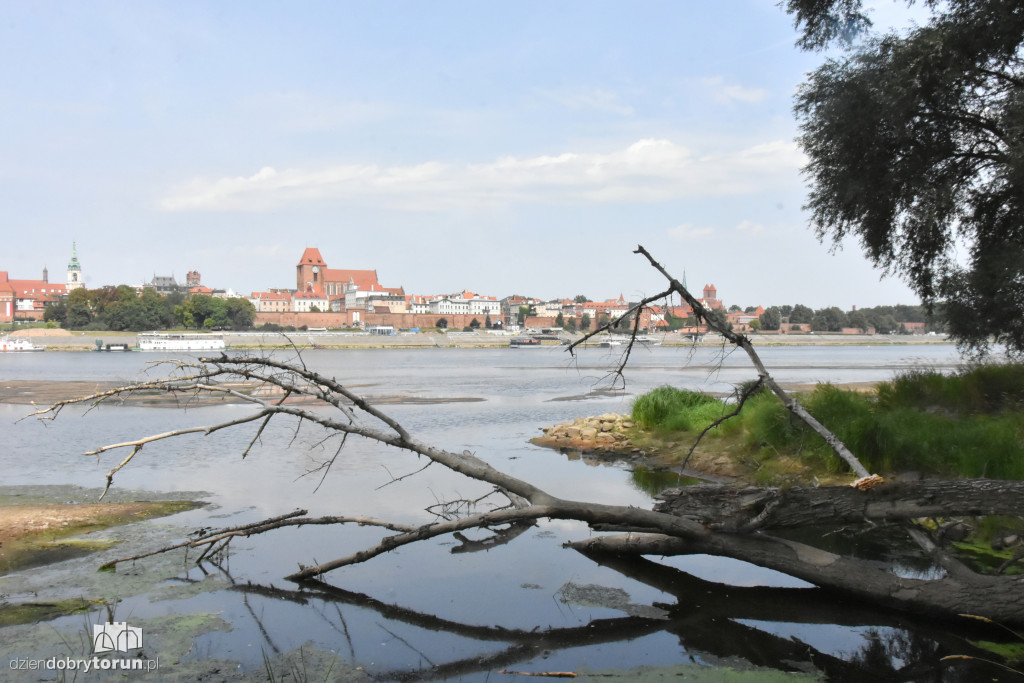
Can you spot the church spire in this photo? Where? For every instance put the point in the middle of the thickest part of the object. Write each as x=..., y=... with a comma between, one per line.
x=75, y=279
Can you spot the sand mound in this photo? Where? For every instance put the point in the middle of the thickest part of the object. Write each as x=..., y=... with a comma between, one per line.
x=41, y=332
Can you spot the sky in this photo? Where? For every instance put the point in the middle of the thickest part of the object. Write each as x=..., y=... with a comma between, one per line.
x=504, y=148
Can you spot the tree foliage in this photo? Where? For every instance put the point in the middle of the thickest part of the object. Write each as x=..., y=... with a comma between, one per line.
x=801, y=314
x=831, y=319
x=771, y=319
x=206, y=312
x=121, y=308
x=916, y=147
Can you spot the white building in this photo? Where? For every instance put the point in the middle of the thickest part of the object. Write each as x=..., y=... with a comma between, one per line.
x=305, y=302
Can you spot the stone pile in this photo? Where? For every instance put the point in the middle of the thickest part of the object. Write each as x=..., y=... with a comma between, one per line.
x=602, y=433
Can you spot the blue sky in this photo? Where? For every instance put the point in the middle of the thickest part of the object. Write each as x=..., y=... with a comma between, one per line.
x=504, y=148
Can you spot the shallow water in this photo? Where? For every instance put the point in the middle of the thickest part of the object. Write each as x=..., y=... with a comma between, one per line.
x=427, y=610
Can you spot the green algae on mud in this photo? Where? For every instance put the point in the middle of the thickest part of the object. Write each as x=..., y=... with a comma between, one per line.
x=38, y=534
x=35, y=612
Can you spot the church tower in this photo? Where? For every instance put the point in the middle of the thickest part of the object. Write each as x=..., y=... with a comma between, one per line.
x=309, y=272
x=75, y=279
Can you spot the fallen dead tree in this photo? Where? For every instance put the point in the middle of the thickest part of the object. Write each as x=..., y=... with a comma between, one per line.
x=730, y=522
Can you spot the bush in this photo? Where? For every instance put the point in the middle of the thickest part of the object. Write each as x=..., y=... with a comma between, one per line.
x=988, y=388
x=901, y=430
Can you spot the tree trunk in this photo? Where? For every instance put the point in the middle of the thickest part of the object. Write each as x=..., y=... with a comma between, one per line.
x=731, y=509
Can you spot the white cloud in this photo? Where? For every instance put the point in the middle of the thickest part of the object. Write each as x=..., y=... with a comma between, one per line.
x=750, y=227
x=646, y=171
x=727, y=94
x=689, y=233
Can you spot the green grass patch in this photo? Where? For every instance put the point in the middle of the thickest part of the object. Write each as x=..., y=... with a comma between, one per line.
x=967, y=424
x=667, y=409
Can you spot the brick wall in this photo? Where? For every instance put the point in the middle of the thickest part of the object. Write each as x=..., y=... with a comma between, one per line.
x=347, y=319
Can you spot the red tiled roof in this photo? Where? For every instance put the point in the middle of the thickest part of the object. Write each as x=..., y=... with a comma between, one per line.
x=269, y=296
x=365, y=280
x=311, y=256
x=37, y=287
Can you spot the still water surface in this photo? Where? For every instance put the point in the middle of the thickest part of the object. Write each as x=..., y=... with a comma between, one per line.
x=432, y=610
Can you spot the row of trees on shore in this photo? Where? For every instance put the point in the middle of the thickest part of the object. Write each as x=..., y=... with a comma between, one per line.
x=882, y=319
x=122, y=308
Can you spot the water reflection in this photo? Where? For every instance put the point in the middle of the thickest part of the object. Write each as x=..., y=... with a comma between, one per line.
x=654, y=481
x=787, y=629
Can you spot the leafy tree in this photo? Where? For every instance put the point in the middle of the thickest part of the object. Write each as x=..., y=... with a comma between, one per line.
x=560, y=320
x=801, y=314
x=487, y=321
x=241, y=313
x=755, y=325
x=750, y=310
x=784, y=311
x=580, y=299
x=831, y=319
x=474, y=324
x=771, y=319
x=915, y=145
x=442, y=323
x=56, y=312
x=735, y=309
x=570, y=324
x=78, y=316
x=523, y=312
x=585, y=322
x=859, y=320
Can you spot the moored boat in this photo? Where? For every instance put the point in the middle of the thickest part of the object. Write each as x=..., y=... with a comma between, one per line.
x=523, y=342
x=181, y=341
x=15, y=344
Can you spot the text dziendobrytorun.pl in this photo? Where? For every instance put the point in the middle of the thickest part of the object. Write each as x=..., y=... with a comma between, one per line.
x=85, y=665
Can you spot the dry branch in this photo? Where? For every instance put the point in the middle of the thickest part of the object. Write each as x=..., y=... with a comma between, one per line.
x=718, y=522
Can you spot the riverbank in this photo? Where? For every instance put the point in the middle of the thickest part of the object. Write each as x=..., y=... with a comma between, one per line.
x=63, y=340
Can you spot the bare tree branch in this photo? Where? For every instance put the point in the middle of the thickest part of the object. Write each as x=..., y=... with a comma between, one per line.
x=743, y=342
x=733, y=528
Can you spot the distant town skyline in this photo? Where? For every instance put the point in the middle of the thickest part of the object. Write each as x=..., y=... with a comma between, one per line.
x=501, y=149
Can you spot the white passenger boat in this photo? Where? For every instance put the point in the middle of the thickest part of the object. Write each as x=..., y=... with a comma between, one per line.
x=9, y=344
x=180, y=341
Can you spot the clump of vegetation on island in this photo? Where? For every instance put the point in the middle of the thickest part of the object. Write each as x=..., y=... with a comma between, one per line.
x=966, y=424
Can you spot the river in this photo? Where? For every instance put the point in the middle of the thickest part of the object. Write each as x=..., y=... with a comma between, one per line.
x=429, y=610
